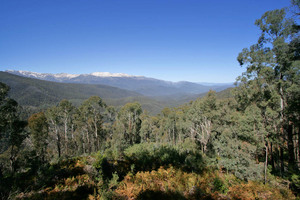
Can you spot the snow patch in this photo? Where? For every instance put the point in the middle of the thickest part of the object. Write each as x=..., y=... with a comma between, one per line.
x=65, y=75
x=108, y=74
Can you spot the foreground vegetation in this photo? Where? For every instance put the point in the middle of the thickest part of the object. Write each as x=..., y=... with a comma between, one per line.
x=246, y=147
x=164, y=174
x=99, y=177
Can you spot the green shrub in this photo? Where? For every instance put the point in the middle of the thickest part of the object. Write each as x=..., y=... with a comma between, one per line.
x=150, y=156
x=219, y=185
x=100, y=159
x=103, y=167
x=295, y=183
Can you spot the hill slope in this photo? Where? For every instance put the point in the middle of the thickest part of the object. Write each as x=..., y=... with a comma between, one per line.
x=34, y=92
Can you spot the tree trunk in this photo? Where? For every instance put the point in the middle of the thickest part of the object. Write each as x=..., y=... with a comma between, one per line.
x=43, y=155
x=58, y=139
x=266, y=164
x=96, y=135
x=66, y=135
x=88, y=142
x=58, y=143
x=83, y=143
x=174, y=137
x=12, y=160
x=272, y=157
x=291, y=160
x=169, y=135
x=277, y=162
x=281, y=161
x=298, y=148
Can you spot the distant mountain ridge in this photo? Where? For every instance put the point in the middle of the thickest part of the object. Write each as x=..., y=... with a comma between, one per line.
x=144, y=85
x=35, y=92
x=61, y=76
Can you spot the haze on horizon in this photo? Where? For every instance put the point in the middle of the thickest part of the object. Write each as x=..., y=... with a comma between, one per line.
x=172, y=40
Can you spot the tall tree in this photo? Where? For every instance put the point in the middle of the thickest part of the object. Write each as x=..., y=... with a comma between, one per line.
x=66, y=111
x=202, y=115
x=270, y=73
x=12, y=133
x=128, y=122
x=3, y=107
x=54, y=122
x=168, y=127
x=92, y=111
x=39, y=131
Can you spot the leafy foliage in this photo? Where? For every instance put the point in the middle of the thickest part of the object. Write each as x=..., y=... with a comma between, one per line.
x=147, y=157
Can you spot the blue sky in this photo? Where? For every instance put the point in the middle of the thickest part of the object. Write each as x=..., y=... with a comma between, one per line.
x=175, y=40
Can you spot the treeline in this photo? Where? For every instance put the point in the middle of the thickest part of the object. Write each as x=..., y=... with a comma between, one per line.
x=235, y=140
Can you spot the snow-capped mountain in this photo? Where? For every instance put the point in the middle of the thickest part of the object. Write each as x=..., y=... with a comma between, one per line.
x=143, y=85
x=65, y=75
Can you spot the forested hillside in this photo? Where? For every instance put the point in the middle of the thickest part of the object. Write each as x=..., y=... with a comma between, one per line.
x=242, y=146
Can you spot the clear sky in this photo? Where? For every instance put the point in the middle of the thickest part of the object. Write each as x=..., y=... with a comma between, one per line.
x=175, y=40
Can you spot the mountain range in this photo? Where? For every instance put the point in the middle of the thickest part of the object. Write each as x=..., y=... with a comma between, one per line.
x=145, y=86
x=35, y=90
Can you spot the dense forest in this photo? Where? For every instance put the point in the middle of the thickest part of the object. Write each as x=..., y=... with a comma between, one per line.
x=244, y=147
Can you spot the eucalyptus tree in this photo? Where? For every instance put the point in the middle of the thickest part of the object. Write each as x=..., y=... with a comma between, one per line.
x=38, y=126
x=128, y=123
x=66, y=112
x=81, y=133
x=182, y=122
x=110, y=116
x=149, y=128
x=91, y=113
x=12, y=129
x=202, y=116
x=168, y=125
x=146, y=127
x=54, y=121
x=3, y=107
x=271, y=75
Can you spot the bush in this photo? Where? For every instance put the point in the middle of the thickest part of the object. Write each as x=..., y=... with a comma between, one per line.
x=295, y=183
x=103, y=167
x=100, y=159
x=150, y=156
x=219, y=185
